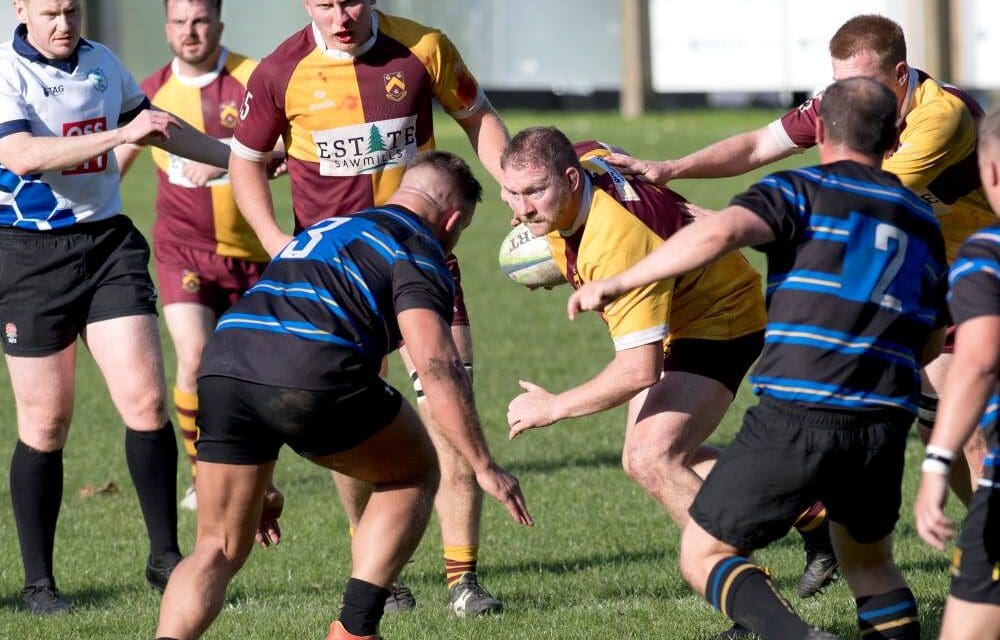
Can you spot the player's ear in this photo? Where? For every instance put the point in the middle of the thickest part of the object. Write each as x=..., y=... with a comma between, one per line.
x=820, y=130
x=902, y=73
x=574, y=177
x=453, y=220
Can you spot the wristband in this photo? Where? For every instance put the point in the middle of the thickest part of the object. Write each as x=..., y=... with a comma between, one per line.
x=933, y=465
x=940, y=453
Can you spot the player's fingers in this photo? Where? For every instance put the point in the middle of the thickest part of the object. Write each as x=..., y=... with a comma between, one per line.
x=529, y=386
x=623, y=162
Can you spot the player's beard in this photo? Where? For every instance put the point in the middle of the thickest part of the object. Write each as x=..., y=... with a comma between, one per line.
x=203, y=54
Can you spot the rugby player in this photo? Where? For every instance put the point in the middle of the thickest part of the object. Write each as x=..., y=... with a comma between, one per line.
x=205, y=253
x=296, y=361
x=934, y=155
x=856, y=300
x=73, y=266
x=682, y=346
x=973, y=607
x=352, y=93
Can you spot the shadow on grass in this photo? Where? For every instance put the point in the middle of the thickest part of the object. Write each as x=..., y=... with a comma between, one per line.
x=596, y=460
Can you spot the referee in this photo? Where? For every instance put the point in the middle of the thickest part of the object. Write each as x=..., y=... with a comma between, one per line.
x=73, y=266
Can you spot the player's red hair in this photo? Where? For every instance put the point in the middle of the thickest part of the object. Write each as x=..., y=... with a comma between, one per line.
x=870, y=32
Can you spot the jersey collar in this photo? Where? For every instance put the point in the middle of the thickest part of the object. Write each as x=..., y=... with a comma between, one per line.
x=912, y=81
x=25, y=49
x=584, y=212
x=205, y=79
x=344, y=55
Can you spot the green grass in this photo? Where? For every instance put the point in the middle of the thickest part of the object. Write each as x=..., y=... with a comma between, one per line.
x=601, y=560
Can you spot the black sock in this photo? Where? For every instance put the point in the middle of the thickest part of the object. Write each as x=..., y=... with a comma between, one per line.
x=744, y=594
x=36, y=489
x=152, y=463
x=889, y=615
x=364, y=603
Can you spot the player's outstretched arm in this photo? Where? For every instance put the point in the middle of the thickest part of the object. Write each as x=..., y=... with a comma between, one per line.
x=253, y=197
x=732, y=156
x=449, y=395
x=631, y=371
x=488, y=136
x=186, y=141
x=693, y=247
x=971, y=379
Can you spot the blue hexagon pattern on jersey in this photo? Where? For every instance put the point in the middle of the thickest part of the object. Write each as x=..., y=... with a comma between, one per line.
x=34, y=205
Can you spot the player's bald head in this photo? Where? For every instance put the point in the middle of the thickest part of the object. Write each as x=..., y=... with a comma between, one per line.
x=859, y=113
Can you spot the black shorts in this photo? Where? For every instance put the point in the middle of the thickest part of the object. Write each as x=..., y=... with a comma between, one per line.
x=726, y=361
x=976, y=562
x=54, y=283
x=787, y=457
x=246, y=423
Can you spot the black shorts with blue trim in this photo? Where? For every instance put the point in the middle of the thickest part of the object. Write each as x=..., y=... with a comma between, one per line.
x=787, y=456
x=975, y=565
x=243, y=422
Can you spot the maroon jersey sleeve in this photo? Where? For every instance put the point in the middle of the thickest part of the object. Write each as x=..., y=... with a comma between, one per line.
x=262, y=111
x=799, y=124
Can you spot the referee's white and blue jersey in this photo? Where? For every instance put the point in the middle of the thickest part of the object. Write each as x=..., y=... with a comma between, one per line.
x=857, y=281
x=88, y=92
x=324, y=310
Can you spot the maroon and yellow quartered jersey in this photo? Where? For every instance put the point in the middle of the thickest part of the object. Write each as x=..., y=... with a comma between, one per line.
x=202, y=217
x=352, y=122
x=620, y=222
x=935, y=154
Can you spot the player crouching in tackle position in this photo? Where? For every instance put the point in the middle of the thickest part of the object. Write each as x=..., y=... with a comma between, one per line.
x=296, y=361
x=856, y=300
x=682, y=346
x=973, y=607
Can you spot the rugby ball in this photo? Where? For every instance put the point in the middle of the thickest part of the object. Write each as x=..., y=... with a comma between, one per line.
x=527, y=260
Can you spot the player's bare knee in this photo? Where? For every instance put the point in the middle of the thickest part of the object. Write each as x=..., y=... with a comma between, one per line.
x=650, y=466
x=148, y=411
x=45, y=435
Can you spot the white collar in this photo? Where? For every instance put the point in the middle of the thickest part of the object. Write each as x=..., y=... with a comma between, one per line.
x=584, y=212
x=337, y=54
x=205, y=79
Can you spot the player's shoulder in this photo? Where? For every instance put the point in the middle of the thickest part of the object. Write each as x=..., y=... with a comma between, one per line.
x=154, y=81
x=983, y=242
x=419, y=38
x=943, y=107
x=240, y=66
x=287, y=55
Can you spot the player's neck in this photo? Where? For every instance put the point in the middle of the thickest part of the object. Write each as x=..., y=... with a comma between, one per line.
x=207, y=65
x=839, y=153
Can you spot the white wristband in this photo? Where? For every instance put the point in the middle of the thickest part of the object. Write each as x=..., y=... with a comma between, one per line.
x=930, y=465
x=939, y=452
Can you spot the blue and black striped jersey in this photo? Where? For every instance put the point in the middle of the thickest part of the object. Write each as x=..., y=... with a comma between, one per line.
x=975, y=292
x=324, y=311
x=857, y=280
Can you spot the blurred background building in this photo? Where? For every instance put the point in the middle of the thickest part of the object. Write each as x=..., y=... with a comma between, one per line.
x=564, y=53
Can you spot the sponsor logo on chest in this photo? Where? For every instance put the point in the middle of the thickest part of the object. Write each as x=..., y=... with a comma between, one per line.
x=366, y=148
x=81, y=128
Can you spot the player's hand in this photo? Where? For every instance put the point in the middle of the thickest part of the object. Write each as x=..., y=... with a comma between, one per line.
x=693, y=212
x=645, y=170
x=503, y=486
x=530, y=410
x=277, y=165
x=268, y=529
x=200, y=174
x=932, y=524
x=149, y=125
x=592, y=296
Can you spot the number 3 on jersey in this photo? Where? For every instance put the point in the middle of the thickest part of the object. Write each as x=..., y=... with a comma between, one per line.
x=882, y=266
x=301, y=249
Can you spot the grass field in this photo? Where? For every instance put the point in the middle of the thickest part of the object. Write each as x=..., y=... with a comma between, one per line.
x=599, y=563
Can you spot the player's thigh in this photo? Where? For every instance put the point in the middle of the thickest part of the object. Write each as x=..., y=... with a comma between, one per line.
x=761, y=482
x=230, y=499
x=969, y=620
x=189, y=325
x=675, y=415
x=127, y=351
x=399, y=453
x=43, y=396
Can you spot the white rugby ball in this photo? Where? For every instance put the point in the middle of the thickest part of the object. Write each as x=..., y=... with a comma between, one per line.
x=527, y=260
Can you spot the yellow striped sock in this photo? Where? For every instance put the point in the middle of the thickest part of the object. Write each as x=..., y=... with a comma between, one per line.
x=186, y=404
x=459, y=560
